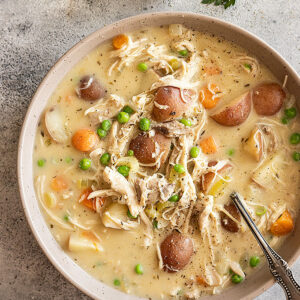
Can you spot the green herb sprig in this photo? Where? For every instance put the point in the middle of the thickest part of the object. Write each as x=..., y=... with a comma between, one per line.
x=225, y=3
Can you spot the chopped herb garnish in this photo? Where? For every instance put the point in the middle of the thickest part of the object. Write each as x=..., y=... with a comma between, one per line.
x=155, y=224
x=117, y=282
x=66, y=218
x=248, y=67
x=225, y=3
x=230, y=152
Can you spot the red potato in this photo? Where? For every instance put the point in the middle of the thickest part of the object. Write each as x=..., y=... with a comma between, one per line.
x=168, y=103
x=226, y=222
x=268, y=98
x=176, y=251
x=236, y=112
x=90, y=89
x=143, y=147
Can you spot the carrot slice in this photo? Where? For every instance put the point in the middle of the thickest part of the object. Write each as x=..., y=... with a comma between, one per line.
x=90, y=203
x=84, y=139
x=209, y=96
x=212, y=70
x=58, y=184
x=283, y=225
x=208, y=145
x=120, y=41
x=200, y=280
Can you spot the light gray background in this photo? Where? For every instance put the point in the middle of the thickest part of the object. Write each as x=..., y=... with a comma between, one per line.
x=33, y=35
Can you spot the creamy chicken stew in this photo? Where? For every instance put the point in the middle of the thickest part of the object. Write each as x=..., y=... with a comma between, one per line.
x=140, y=147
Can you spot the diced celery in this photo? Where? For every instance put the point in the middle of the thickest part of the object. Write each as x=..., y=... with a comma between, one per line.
x=151, y=212
x=50, y=200
x=162, y=205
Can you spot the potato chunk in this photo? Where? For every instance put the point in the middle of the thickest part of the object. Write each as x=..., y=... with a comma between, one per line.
x=254, y=144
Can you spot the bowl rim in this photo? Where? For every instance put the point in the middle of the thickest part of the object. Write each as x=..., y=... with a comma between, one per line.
x=25, y=127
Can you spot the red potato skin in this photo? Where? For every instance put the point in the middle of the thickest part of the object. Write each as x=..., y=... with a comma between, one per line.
x=235, y=114
x=92, y=91
x=170, y=96
x=268, y=98
x=176, y=251
x=143, y=146
x=226, y=222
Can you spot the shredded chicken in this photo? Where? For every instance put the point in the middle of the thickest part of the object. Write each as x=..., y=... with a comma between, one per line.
x=119, y=184
x=105, y=108
x=154, y=188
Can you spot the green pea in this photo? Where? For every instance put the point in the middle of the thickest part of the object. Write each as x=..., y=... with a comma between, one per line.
x=183, y=52
x=174, y=198
x=105, y=125
x=186, y=122
x=235, y=278
x=296, y=156
x=85, y=164
x=66, y=218
x=123, y=117
x=41, y=162
x=254, y=261
x=179, y=168
x=295, y=138
x=102, y=133
x=105, y=159
x=230, y=152
x=117, y=282
x=124, y=170
x=155, y=223
x=139, y=269
x=260, y=211
x=128, y=109
x=290, y=113
x=284, y=120
x=130, y=215
x=68, y=160
x=130, y=153
x=142, y=67
x=194, y=152
x=145, y=124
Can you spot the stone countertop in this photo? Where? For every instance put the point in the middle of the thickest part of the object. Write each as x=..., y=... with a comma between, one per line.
x=34, y=34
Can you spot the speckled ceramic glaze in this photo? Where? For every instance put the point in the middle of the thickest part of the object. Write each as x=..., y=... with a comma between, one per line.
x=253, y=285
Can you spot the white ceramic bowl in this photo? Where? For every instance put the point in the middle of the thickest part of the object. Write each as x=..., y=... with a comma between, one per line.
x=253, y=285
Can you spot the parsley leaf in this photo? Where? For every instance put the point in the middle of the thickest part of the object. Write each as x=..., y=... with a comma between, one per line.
x=225, y=3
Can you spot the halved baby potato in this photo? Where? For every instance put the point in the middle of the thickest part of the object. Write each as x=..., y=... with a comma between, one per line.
x=236, y=112
x=176, y=251
x=145, y=146
x=228, y=223
x=90, y=89
x=254, y=144
x=54, y=124
x=169, y=103
x=268, y=98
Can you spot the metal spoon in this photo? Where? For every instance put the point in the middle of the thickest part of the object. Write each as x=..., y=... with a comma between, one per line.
x=278, y=267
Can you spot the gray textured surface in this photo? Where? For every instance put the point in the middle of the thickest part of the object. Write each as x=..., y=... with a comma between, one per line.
x=34, y=34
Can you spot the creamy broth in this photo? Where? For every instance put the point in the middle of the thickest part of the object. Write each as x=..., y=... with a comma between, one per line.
x=268, y=184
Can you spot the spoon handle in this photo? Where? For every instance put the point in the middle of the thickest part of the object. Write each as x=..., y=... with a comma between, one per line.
x=278, y=267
